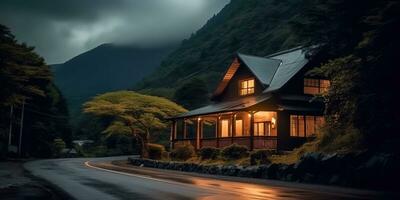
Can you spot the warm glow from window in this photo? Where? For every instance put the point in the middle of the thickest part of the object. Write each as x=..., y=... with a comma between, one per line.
x=305, y=126
x=224, y=128
x=246, y=87
x=315, y=86
x=239, y=127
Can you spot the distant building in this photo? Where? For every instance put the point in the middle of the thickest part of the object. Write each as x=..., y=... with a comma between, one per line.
x=261, y=102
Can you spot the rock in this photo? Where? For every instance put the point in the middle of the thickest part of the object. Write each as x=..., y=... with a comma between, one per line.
x=334, y=180
x=250, y=171
x=272, y=172
x=263, y=170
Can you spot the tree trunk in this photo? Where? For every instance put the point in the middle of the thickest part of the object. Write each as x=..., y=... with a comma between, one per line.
x=143, y=144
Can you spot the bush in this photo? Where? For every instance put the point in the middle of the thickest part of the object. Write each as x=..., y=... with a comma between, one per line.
x=155, y=151
x=58, y=146
x=183, y=152
x=234, y=151
x=209, y=153
x=261, y=156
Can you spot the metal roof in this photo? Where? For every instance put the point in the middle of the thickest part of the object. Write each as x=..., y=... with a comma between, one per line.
x=273, y=71
x=292, y=62
x=263, y=68
x=227, y=106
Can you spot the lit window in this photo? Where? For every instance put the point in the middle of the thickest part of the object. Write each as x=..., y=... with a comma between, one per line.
x=305, y=126
x=246, y=87
x=224, y=128
x=239, y=127
x=262, y=129
x=315, y=86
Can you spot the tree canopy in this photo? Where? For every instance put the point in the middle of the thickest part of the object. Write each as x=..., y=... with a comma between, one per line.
x=360, y=39
x=24, y=76
x=132, y=113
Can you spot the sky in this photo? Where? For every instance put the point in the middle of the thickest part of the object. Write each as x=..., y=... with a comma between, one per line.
x=62, y=29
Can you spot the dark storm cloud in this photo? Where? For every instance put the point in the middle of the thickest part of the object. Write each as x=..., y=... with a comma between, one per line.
x=63, y=29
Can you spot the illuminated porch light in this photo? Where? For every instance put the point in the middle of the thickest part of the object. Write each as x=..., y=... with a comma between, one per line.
x=273, y=122
x=198, y=119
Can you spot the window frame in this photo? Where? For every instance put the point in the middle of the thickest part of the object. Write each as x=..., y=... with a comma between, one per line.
x=314, y=83
x=247, y=89
x=318, y=121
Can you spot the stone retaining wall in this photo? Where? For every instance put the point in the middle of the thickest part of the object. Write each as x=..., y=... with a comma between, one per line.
x=366, y=170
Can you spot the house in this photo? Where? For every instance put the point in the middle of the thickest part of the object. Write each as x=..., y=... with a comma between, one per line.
x=261, y=102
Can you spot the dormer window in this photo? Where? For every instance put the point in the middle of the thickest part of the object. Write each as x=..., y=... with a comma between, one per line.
x=246, y=87
x=315, y=86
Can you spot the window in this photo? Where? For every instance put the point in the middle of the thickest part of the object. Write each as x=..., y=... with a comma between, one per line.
x=239, y=127
x=315, y=86
x=224, y=128
x=305, y=126
x=209, y=128
x=190, y=126
x=262, y=129
x=246, y=87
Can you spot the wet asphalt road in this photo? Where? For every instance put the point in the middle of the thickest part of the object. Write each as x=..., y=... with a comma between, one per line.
x=84, y=182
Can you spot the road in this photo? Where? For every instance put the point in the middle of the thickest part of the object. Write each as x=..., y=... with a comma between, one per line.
x=86, y=181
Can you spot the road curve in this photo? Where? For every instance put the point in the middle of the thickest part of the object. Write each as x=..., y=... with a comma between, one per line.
x=87, y=181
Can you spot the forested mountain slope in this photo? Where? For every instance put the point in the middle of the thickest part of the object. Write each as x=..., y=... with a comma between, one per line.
x=105, y=68
x=257, y=27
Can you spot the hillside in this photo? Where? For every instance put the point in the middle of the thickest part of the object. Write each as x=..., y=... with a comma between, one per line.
x=105, y=68
x=257, y=27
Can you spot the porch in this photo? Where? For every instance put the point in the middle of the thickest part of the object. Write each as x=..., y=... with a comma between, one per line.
x=254, y=129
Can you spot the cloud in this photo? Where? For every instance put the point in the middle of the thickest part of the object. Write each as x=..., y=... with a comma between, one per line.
x=62, y=29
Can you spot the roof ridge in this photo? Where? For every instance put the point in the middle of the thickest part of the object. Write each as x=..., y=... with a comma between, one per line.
x=283, y=52
x=238, y=53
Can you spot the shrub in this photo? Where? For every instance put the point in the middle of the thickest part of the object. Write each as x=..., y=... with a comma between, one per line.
x=183, y=152
x=209, y=153
x=234, y=151
x=58, y=145
x=155, y=151
x=261, y=156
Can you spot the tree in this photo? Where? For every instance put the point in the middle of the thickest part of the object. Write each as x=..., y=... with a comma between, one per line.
x=24, y=76
x=193, y=94
x=133, y=113
x=360, y=40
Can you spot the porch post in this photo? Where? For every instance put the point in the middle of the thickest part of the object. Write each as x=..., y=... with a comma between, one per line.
x=217, y=133
x=251, y=131
x=233, y=126
x=198, y=133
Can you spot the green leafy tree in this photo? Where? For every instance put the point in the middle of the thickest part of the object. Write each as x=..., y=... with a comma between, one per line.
x=24, y=76
x=360, y=39
x=133, y=113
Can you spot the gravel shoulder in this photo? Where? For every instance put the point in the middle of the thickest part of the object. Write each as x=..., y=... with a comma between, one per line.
x=17, y=183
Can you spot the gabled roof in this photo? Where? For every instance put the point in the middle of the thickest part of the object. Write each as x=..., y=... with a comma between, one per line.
x=273, y=71
x=263, y=68
x=293, y=61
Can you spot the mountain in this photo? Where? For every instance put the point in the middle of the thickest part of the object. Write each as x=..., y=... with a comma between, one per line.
x=105, y=68
x=257, y=27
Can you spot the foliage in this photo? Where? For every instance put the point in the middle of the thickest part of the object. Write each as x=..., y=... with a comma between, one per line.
x=58, y=145
x=209, y=153
x=156, y=151
x=257, y=27
x=362, y=62
x=261, y=156
x=25, y=76
x=193, y=94
x=133, y=113
x=234, y=151
x=183, y=152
